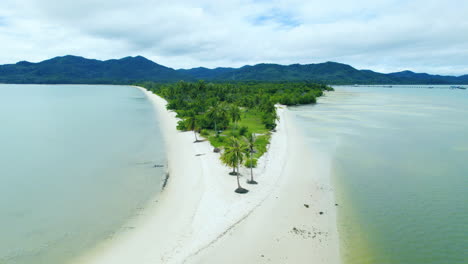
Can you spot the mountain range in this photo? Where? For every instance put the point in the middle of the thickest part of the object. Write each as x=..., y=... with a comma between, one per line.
x=78, y=70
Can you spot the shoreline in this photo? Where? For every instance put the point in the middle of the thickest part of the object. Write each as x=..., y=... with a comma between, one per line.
x=198, y=218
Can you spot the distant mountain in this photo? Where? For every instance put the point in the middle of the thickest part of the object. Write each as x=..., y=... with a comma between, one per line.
x=328, y=72
x=73, y=69
x=413, y=78
x=202, y=73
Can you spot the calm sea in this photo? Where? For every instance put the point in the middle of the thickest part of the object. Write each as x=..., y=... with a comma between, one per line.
x=76, y=162
x=400, y=169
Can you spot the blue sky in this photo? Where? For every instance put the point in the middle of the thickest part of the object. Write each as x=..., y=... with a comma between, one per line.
x=277, y=16
x=382, y=35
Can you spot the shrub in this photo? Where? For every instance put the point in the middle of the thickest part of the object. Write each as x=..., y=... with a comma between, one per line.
x=204, y=133
x=233, y=133
x=261, y=144
x=217, y=141
x=269, y=120
x=243, y=130
x=182, y=125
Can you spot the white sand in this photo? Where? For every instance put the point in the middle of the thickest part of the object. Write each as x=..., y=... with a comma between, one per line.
x=199, y=219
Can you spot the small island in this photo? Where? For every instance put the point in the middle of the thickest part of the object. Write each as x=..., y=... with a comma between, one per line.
x=237, y=118
x=240, y=177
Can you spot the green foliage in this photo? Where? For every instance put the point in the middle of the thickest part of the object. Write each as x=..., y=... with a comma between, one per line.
x=243, y=130
x=232, y=133
x=269, y=120
x=192, y=122
x=252, y=119
x=219, y=105
x=182, y=125
x=250, y=163
x=217, y=141
x=204, y=132
x=261, y=145
x=234, y=113
x=218, y=116
x=233, y=110
x=234, y=152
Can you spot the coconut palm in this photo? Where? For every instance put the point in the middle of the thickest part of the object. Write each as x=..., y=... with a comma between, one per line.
x=212, y=114
x=192, y=124
x=217, y=113
x=229, y=158
x=250, y=140
x=233, y=156
x=234, y=114
x=266, y=107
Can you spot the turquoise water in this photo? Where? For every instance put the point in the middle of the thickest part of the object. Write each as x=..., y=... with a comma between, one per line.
x=400, y=169
x=76, y=162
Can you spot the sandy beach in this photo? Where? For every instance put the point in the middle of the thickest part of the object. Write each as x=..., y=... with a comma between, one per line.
x=289, y=217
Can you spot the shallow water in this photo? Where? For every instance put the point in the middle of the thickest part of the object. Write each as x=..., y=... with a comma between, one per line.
x=400, y=168
x=76, y=163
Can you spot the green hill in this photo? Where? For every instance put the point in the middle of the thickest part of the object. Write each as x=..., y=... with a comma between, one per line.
x=73, y=69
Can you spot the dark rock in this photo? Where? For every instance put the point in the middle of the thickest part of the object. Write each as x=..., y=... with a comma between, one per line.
x=306, y=205
x=166, y=179
x=216, y=150
x=321, y=213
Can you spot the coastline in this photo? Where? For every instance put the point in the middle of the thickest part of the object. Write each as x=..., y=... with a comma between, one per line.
x=198, y=218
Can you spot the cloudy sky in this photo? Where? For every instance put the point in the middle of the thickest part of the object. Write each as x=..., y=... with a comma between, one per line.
x=382, y=35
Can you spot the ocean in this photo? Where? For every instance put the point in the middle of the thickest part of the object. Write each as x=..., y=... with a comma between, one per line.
x=76, y=163
x=399, y=165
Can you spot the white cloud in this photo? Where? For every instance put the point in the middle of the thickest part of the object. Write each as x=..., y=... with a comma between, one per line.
x=388, y=35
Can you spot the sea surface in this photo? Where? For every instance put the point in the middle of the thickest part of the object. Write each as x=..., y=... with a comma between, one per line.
x=76, y=163
x=399, y=163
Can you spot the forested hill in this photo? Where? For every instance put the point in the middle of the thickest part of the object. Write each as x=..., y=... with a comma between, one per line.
x=73, y=69
x=328, y=72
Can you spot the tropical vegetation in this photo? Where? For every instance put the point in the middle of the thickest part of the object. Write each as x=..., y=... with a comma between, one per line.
x=233, y=156
x=237, y=118
x=250, y=139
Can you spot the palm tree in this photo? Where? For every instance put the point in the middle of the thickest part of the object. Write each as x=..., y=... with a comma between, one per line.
x=217, y=113
x=234, y=114
x=212, y=114
x=267, y=107
x=192, y=124
x=233, y=156
x=228, y=158
x=250, y=140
